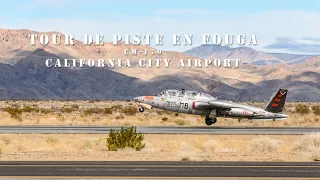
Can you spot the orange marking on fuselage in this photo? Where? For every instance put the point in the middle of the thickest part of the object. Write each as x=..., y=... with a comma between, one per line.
x=277, y=100
x=275, y=105
x=282, y=90
x=280, y=95
x=149, y=97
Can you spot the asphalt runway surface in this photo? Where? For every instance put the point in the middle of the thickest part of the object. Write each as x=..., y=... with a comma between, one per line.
x=157, y=130
x=159, y=169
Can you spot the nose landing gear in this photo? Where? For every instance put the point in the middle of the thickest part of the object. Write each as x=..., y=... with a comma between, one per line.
x=210, y=121
x=141, y=109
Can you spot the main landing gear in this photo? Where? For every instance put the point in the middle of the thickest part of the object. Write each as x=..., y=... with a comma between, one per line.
x=141, y=109
x=210, y=121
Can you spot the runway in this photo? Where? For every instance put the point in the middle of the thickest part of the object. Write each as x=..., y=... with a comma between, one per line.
x=160, y=169
x=157, y=130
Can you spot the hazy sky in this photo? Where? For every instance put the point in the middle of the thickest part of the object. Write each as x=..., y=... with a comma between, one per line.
x=281, y=26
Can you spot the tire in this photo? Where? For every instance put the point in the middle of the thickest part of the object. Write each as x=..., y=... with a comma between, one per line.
x=214, y=120
x=141, y=109
x=208, y=122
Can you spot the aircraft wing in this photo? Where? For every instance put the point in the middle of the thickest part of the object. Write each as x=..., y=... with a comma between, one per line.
x=214, y=104
x=222, y=104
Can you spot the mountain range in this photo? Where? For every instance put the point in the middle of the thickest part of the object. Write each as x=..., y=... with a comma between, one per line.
x=25, y=76
x=246, y=54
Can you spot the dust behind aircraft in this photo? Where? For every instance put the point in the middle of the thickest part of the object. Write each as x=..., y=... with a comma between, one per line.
x=192, y=102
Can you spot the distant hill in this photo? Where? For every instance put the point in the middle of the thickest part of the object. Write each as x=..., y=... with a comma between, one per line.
x=30, y=79
x=312, y=64
x=246, y=54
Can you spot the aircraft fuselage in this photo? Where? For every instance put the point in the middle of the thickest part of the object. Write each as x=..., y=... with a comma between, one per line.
x=202, y=107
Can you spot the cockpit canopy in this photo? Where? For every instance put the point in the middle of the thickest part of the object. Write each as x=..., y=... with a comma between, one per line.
x=185, y=94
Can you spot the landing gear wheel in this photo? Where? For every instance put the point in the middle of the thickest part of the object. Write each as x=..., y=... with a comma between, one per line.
x=141, y=109
x=214, y=120
x=210, y=121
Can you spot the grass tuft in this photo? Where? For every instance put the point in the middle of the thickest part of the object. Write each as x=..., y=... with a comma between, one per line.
x=180, y=122
x=125, y=138
x=164, y=119
x=309, y=144
x=91, y=111
x=265, y=144
x=302, y=109
x=6, y=140
x=316, y=109
x=52, y=141
x=130, y=110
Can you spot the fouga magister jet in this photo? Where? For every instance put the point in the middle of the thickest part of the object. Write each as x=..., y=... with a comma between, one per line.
x=192, y=102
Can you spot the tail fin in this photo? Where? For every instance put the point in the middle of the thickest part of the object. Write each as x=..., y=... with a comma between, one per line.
x=276, y=102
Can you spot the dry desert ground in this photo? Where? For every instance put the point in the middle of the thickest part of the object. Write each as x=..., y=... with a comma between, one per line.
x=124, y=113
x=81, y=147
x=90, y=147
